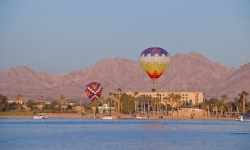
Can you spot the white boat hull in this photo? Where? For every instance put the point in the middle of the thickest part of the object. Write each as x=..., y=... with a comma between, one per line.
x=141, y=118
x=243, y=118
x=108, y=117
x=40, y=117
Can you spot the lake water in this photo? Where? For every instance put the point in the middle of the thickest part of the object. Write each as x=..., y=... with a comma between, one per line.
x=123, y=134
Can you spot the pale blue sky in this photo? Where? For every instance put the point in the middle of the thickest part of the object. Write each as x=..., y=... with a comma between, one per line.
x=63, y=36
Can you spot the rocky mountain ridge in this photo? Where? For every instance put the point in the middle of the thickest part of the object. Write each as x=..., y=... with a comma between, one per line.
x=186, y=72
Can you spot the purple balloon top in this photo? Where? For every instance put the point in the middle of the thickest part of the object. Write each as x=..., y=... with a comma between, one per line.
x=155, y=50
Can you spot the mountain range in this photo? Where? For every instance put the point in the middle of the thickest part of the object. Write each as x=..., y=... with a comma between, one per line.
x=190, y=72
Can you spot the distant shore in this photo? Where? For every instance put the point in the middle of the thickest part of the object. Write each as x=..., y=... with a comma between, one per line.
x=123, y=116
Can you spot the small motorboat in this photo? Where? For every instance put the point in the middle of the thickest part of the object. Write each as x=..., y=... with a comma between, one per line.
x=142, y=117
x=108, y=117
x=41, y=116
x=244, y=117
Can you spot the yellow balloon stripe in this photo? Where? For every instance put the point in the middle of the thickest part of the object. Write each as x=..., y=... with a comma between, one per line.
x=155, y=67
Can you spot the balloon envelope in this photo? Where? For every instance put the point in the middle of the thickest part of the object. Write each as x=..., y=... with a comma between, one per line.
x=93, y=90
x=154, y=62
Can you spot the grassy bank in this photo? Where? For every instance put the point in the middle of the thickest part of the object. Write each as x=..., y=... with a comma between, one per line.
x=17, y=113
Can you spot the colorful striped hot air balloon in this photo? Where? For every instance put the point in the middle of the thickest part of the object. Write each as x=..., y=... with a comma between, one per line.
x=93, y=90
x=154, y=62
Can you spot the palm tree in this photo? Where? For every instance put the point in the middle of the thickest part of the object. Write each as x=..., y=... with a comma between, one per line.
x=216, y=106
x=204, y=107
x=237, y=104
x=101, y=99
x=136, y=100
x=19, y=98
x=244, y=97
x=158, y=100
x=230, y=107
x=178, y=99
x=144, y=102
x=62, y=99
x=222, y=108
x=166, y=99
x=153, y=101
x=94, y=105
x=119, y=92
x=109, y=100
x=224, y=98
x=148, y=99
x=171, y=96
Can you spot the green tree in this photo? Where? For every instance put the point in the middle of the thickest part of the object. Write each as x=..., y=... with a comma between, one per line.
x=222, y=109
x=101, y=99
x=31, y=104
x=136, y=100
x=178, y=101
x=148, y=99
x=19, y=98
x=109, y=101
x=171, y=96
x=229, y=107
x=224, y=98
x=158, y=100
x=166, y=99
x=54, y=106
x=94, y=105
x=244, y=97
x=62, y=99
x=127, y=103
x=237, y=104
x=4, y=105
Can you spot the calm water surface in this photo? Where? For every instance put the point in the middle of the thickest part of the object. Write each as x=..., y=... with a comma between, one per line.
x=77, y=134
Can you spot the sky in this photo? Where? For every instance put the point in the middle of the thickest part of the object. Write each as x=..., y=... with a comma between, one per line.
x=62, y=36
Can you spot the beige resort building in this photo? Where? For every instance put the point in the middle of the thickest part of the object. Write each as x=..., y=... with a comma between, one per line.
x=187, y=98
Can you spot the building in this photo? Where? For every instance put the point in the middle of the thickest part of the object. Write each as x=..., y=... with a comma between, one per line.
x=186, y=98
x=105, y=108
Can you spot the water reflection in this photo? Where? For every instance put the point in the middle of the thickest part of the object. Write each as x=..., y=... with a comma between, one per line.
x=122, y=134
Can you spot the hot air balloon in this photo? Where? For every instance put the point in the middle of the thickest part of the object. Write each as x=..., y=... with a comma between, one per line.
x=93, y=90
x=154, y=62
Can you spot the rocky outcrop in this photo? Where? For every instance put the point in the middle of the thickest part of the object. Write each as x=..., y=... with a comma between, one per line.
x=188, y=72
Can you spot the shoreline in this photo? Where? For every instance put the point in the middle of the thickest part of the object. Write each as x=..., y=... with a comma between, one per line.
x=123, y=116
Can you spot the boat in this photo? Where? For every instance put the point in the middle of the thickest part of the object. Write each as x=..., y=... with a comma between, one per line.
x=244, y=117
x=142, y=117
x=41, y=116
x=108, y=117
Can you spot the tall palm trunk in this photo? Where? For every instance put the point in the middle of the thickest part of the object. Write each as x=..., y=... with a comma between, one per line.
x=243, y=104
x=94, y=109
x=166, y=108
x=109, y=108
x=135, y=105
x=118, y=105
x=172, y=107
x=177, y=104
x=158, y=109
x=148, y=107
x=144, y=107
x=61, y=107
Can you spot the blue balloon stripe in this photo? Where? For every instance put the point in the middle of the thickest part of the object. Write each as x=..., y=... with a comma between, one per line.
x=155, y=50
